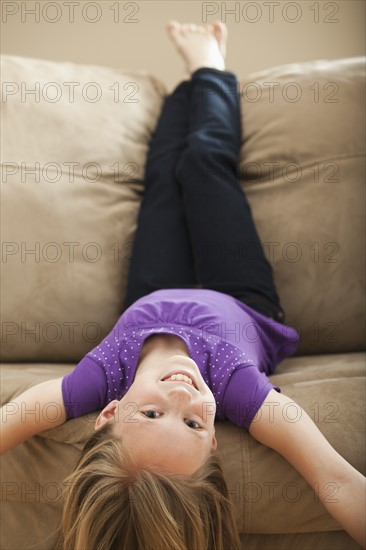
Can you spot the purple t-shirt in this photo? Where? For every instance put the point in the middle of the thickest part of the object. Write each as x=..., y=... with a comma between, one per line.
x=234, y=346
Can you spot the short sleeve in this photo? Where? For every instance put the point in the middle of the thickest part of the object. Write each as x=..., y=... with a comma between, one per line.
x=84, y=389
x=244, y=395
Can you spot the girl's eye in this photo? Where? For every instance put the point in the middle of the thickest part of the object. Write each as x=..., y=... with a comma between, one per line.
x=153, y=414
x=150, y=414
x=194, y=425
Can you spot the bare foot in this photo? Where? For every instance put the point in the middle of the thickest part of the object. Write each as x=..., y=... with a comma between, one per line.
x=220, y=31
x=200, y=46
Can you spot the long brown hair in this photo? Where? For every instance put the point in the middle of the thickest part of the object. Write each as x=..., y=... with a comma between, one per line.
x=110, y=504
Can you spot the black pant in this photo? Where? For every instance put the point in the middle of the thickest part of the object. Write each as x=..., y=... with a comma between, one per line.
x=195, y=226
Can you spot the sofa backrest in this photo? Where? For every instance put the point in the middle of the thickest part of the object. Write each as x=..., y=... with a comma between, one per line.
x=303, y=169
x=73, y=155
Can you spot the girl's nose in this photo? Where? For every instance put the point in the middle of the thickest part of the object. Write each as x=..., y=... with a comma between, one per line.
x=180, y=392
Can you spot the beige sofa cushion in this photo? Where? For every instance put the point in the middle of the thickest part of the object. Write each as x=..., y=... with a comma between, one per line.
x=265, y=489
x=62, y=299
x=303, y=169
x=72, y=185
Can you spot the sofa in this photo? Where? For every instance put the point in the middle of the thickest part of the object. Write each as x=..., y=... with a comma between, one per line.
x=75, y=139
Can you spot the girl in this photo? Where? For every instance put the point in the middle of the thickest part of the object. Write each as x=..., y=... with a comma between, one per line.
x=181, y=356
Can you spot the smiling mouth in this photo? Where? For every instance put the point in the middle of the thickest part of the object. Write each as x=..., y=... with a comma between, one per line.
x=181, y=376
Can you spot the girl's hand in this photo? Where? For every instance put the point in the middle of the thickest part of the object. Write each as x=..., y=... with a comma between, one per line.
x=304, y=446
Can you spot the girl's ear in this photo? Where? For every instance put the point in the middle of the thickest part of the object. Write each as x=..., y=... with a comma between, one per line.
x=214, y=443
x=107, y=413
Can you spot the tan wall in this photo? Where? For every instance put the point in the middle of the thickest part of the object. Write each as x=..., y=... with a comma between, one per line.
x=132, y=35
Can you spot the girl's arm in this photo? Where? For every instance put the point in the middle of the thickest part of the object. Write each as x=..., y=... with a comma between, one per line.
x=35, y=410
x=284, y=426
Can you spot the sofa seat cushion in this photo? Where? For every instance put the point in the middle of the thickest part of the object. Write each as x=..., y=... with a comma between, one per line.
x=330, y=388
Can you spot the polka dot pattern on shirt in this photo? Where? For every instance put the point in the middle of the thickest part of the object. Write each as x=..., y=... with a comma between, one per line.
x=212, y=326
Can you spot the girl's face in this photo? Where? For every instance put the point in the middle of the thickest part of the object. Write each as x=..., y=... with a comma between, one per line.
x=168, y=424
